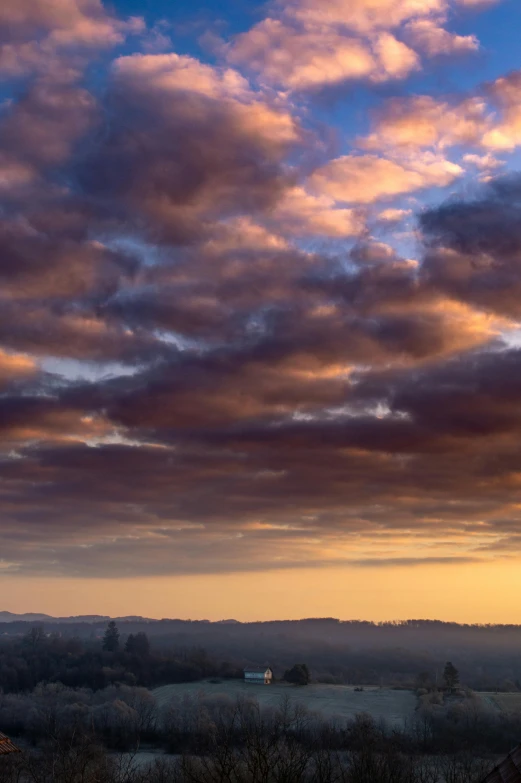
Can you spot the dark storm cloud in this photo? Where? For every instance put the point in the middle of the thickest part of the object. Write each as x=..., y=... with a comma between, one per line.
x=186, y=145
x=42, y=127
x=474, y=247
x=37, y=266
x=196, y=510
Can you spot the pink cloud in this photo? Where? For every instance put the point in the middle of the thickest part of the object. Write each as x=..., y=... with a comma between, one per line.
x=489, y=120
x=299, y=213
x=307, y=44
x=397, y=59
x=171, y=74
x=40, y=31
x=429, y=37
x=477, y=3
x=362, y=179
x=505, y=134
x=423, y=121
x=301, y=58
x=362, y=16
x=394, y=215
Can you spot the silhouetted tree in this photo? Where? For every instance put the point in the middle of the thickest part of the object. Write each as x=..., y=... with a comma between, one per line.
x=129, y=644
x=298, y=674
x=451, y=676
x=111, y=638
x=35, y=636
x=138, y=644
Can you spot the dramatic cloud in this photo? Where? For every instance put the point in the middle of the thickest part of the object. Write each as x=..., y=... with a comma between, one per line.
x=188, y=144
x=244, y=328
x=308, y=44
x=475, y=247
x=41, y=130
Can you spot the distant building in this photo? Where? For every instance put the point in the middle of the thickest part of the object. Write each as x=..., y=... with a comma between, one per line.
x=6, y=746
x=508, y=771
x=258, y=675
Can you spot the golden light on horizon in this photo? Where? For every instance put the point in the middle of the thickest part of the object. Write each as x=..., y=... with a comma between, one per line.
x=260, y=309
x=465, y=593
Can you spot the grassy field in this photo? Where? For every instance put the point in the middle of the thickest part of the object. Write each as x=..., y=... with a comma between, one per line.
x=508, y=702
x=340, y=700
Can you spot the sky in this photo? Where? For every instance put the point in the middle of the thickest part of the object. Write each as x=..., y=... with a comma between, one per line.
x=260, y=308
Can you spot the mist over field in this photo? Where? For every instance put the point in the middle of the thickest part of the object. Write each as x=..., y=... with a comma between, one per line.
x=341, y=652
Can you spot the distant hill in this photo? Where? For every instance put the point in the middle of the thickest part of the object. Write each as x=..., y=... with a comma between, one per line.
x=37, y=617
x=9, y=617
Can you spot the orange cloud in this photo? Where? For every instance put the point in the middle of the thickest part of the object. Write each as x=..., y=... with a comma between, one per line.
x=171, y=74
x=308, y=44
x=423, y=121
x=363, y=179
x=300, y=59
x=299, y=212
x=490, y=120
x=13, y=366
x=506, y=133
x=243, y=234
x=394, y=215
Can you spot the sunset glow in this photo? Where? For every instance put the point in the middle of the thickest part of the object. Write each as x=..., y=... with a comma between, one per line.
x=260, y=308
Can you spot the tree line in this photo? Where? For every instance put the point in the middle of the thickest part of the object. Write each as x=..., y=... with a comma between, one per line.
x=356, y=653
x=80, y=736
x=37, y=657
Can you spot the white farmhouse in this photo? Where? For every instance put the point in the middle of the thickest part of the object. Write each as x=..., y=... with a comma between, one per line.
x=259, y=675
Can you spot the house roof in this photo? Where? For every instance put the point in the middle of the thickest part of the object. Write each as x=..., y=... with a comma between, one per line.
x=6, y=746
x=257, y=669
x=508, y=771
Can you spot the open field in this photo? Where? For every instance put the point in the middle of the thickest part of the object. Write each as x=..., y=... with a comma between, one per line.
x=341, y=700
x=508, y=702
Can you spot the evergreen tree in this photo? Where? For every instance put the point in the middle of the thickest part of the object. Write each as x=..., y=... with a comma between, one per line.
x=298, y=674
x=111, y=638
x=138, y=644
x=451, y=676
